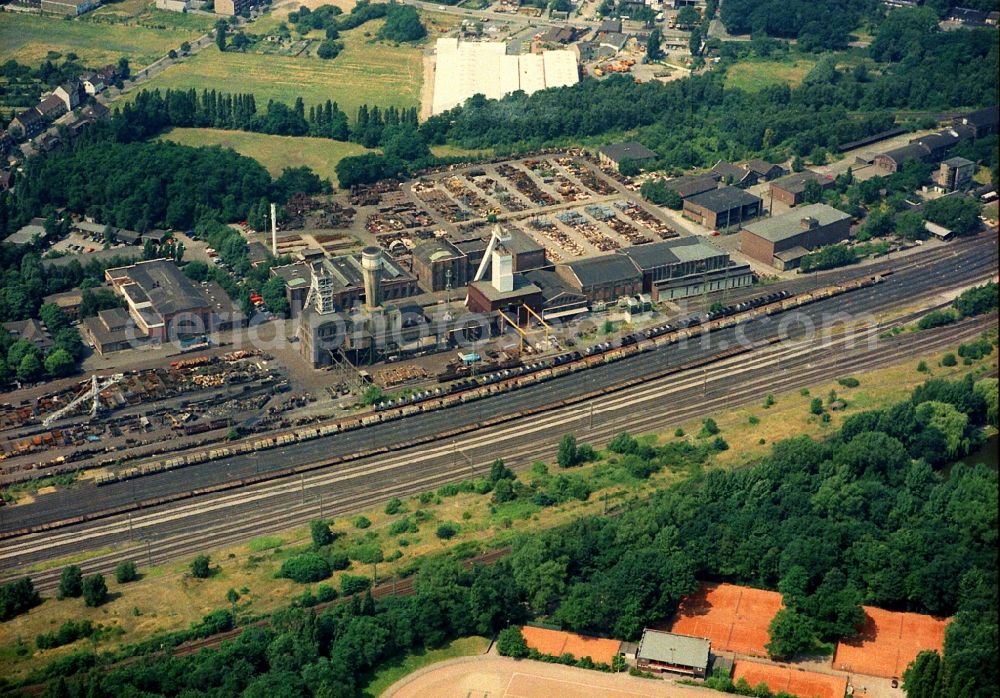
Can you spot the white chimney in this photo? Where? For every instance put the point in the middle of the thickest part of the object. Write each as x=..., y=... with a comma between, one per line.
x=274, y=230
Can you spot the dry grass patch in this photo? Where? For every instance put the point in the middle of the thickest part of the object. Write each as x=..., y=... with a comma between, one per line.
x=28, y=39
x=366, y=72
x=275, y=153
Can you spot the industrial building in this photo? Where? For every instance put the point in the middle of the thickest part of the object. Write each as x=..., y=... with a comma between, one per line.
x=722, y=208
x=983, y=121
x=954, y=174
x=893, y=160
x=464, y=69
x=790, y=190
x=783, y=240
x=668, y=652
x=511, y=296
x=692, y=185
x=165, y=304
x=438, y=264
x=329, y=329
x=111, y=330
x=72, y=8
x=344, y=286
x=685, y=267
x=613, y=155
x=602, y=279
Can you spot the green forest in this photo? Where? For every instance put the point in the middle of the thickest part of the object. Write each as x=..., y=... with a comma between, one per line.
x=874, y=514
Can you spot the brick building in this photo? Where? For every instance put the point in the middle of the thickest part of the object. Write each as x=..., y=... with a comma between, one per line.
x=781, y=241
x=722, y=208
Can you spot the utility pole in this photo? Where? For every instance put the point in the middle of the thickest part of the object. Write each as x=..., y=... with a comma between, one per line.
x=130, y=526
x=302, y=486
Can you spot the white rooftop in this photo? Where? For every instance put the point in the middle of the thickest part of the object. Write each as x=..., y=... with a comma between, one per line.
x=464, y=69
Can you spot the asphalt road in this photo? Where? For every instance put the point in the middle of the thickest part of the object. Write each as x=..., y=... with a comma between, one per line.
x=970, y=262
x=187, y=526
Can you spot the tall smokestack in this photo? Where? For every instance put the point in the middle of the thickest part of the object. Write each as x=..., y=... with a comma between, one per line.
x=371, y=264
x=274, y=230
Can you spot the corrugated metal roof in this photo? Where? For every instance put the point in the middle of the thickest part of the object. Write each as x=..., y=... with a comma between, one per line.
x=681, y=650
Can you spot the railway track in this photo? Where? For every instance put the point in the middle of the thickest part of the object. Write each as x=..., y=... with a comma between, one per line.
x=258, y=511
x=654, y=361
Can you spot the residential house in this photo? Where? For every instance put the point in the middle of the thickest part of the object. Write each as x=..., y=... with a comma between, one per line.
x=29, y=123
x=30, y=330
x=69, y=93
x=93, y=84
x=51, y=108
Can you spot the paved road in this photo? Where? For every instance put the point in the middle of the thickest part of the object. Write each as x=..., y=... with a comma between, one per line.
x=187, y=526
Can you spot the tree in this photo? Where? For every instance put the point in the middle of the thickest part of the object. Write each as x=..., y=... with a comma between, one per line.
x=816, y=406
x=329, y=49
x=221, y=28
x=654, y=48
x=172, y=54
x=126, y=572
x=59, y=363
x=95, y=590
x=30, y=368
x=910, y=226
x=708, y=428
x=16, y=597
x=791, y=634
x=321, y=533
x=305, y=569
x=185, y=47
x=956, y=213
x=628, y=168
x=687, y=17
x=402, y=23
x=240, y=41
x=567, y=456
x=922, y=676
x=70, y=583
x=201, y=567
x=447, y=530
x=511, y=643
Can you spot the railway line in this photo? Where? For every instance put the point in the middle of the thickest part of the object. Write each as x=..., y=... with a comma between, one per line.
x=171, y=531
x=265, y=509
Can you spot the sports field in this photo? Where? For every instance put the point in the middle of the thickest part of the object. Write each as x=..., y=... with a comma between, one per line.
x=273, y=152
x=734, y=618
x=502, y=677
x=796, y=682
x=559, y=642
x=28, y=39
x=381, y=74
x=888, y=642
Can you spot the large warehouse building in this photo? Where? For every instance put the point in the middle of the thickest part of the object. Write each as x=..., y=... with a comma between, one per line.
x=782, y=241
x=464, y=69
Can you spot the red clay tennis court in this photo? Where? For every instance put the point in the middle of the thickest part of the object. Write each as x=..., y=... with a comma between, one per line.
x=557, y=642
x=807, y=684
x=888, y=642
x=734, y=618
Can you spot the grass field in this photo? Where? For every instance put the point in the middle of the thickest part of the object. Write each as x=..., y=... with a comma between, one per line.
x=755, y=74
x=393, y=671
x=273, y=152
x=28, y=38
x=363, y=74
x=168, y=599
x=145, y=14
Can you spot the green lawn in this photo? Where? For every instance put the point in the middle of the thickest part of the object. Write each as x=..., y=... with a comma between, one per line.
x=392, y=671
x=28, y=39
x=273, y=152
x=755, y=74
x=365, y=73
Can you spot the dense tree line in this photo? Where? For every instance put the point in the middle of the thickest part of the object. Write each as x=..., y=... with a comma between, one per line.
x=815, y=25
x=866, y=516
